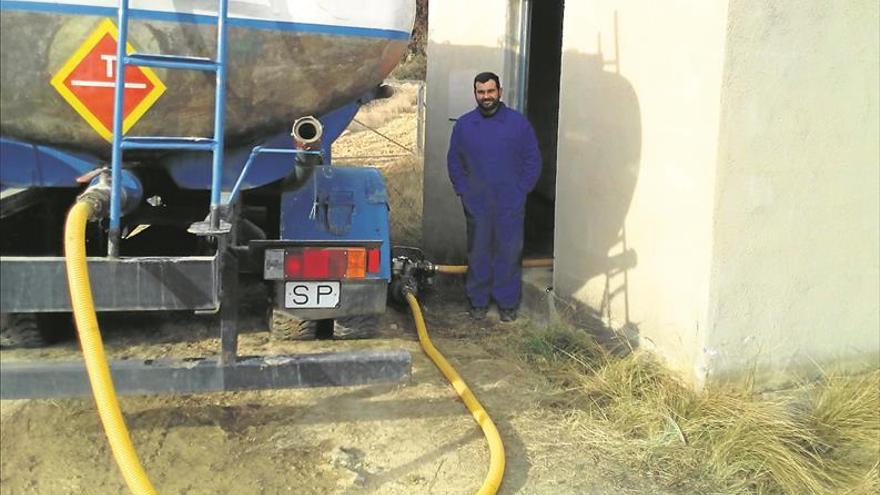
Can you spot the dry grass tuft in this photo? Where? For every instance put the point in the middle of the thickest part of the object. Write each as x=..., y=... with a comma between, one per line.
x=379, y=112
x=403, y=178
x=822, y=438
x=413, y=67
x=391, y=150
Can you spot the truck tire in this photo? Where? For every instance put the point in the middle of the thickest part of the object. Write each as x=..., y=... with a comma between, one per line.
x=21, y=330
x=284, y=326
x=356, y=327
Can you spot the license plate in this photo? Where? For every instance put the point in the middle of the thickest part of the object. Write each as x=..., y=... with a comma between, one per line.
x=311, y=294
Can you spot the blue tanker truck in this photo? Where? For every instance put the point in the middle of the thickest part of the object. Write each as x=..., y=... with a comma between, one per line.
x=209, y=164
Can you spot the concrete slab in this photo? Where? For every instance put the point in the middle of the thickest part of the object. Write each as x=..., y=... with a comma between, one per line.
x=544, y=307
x=538, y=297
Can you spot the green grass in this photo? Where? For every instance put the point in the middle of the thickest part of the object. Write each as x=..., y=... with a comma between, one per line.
x=820, y=438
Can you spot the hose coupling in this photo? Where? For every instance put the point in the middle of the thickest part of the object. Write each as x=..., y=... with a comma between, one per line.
x=409, y=286
x=98, y=197
x=307, y=132
x=410, y=274
x=426, y=268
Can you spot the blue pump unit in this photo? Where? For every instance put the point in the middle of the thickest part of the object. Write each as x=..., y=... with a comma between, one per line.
x=339, y=203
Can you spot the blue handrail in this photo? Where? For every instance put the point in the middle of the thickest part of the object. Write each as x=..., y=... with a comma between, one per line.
x=116, y=156
x=219, y=112
x=257, y=151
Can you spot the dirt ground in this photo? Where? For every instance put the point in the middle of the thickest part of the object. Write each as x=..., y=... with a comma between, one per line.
x=402, y=438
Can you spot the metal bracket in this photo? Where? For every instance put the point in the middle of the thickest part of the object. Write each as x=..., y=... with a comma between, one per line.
x=204, y=228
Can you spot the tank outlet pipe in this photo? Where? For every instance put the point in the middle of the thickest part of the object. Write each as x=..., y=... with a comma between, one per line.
x=307, y=132
x=493, y=478
x=99, y=181
x=97, y=198
x=92, y=205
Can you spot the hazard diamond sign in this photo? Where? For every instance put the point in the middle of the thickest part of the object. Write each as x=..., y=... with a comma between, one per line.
x=88, y=79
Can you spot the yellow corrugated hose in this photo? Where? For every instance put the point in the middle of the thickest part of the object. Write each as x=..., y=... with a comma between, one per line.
x=451, y=269
x=462, y=269
x=93, y=352
x=496, y=449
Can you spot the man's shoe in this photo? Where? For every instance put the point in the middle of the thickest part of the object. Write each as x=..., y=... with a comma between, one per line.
x=478, y=313
x=507, y=315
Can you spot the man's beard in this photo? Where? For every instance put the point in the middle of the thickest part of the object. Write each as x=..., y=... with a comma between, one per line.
x=488, y=106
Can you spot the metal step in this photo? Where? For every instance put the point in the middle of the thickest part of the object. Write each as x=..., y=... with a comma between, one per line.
x=32, y=380
x=168, y=143
x=171, y=61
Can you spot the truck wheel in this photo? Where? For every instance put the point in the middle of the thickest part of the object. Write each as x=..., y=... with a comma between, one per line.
x=356, y=327
x=284, y=326
x=20, y=330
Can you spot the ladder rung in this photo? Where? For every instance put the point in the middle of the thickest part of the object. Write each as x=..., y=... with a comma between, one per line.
x=171, y=61
x=168, y=143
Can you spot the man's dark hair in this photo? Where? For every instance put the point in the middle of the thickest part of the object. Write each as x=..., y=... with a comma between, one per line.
x=484, y=77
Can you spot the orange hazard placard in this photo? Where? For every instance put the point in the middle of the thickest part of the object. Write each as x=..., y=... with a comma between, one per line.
x=88, y=78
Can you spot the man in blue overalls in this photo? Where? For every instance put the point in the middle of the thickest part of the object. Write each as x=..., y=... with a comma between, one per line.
x=493, y=163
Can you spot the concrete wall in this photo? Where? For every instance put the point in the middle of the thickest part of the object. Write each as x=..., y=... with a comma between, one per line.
x=637, y=151
x=736, y=146
x=464, y=39
x=796, y=269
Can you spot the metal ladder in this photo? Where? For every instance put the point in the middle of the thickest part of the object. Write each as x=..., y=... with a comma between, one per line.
x=214, y=145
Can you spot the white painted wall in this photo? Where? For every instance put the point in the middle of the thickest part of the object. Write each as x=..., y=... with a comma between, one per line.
x=644, y=127
x=755, y=215
x=796, y=259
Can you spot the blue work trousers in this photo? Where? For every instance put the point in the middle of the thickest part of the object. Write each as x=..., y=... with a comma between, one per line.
x=494, y=243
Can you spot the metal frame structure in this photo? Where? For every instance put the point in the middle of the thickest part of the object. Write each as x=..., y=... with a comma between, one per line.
x=205, y=284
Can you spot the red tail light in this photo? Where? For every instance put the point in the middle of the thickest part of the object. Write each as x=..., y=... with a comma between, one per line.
x=324, y=263
x=329, y=263
x=293, y=264
x=373, y=260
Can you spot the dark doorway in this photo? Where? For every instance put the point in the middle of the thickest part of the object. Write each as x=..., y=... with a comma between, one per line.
x=542, y=108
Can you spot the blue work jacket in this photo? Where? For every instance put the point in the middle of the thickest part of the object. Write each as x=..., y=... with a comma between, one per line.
x=494, y=158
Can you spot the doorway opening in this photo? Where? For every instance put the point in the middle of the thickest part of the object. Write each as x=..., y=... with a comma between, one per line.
x=542, y=108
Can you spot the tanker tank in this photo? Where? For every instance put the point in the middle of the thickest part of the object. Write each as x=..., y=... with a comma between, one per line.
x=286, y=59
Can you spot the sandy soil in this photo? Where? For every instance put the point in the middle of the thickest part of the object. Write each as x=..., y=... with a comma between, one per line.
x=413, y=437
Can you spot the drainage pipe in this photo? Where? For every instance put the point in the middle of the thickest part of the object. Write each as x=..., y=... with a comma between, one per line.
x=86, y=208
x=496, y=449
x=528, y=263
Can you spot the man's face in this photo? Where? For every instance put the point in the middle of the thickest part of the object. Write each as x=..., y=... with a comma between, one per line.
x=487, y=94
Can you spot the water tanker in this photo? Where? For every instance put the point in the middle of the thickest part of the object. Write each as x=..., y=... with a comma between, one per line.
x=313, y=234
x=286, y=59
